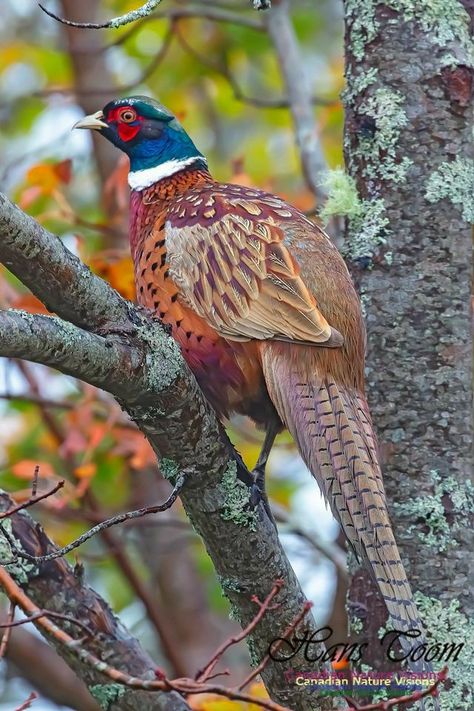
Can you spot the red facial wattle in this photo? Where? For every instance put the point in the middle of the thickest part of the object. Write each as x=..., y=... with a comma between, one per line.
x=127, y=131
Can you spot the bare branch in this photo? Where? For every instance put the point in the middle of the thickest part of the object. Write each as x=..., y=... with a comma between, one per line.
x=283, y=36
x=32, y=500
x=113, y=521
x=54, y=589
x=47, y=613
x=55, y=275
x=205, y=674
x=386, y=705
x=67, y=644
x=26, y=704
x=51, y=341
x=132, y=16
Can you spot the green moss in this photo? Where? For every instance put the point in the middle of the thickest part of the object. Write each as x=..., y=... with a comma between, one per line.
x=440, y=535
x=237, y=507
x=444, y=21
x=229, y=585
x=446, y=625
x=357, y=626
x=107, y=694
x=342, y=195
x=363, y=25
x=21, y=569
x=169, y=469
x=254, y=653
x=455, y=182
x=367, y=220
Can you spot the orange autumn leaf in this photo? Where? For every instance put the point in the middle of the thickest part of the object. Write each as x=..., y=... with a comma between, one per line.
x=133, y=444
x=117, y=269
x=30, y=303
x=26, y=469
x=213, y=702
x=340, y=664
x=85, y=471
x=48, y=176
x=63, y=170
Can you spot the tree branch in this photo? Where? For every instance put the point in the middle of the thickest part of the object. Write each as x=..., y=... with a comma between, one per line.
x=132, y=16
x=143, y=368
x=283, y=36
x=53, y=585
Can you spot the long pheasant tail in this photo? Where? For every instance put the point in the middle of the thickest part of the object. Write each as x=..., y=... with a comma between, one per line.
x=331, y=425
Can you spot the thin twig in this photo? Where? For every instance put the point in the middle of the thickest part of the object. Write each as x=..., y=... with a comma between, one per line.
x=45, y=402
x=8, y=630
x=32, y=500
x=386, y=705
x=100, y=527
x=203, y=675
x=34, y=483
x=197, y=12
x=292, y=627
x=144, y=10
x=182, y=685
x=46, y=613
x=293, y=70
x=26, y=704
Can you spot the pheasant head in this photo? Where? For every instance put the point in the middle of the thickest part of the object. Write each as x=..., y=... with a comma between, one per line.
x=149, y=134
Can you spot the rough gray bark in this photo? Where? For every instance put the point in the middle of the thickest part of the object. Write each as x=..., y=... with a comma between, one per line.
x=407, y=145
x=54, y=586
x=142, y=367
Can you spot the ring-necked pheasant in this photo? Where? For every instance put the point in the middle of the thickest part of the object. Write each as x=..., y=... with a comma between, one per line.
x=266, y=315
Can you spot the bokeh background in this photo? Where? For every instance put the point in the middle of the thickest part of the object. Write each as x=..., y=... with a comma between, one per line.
x=224, y=81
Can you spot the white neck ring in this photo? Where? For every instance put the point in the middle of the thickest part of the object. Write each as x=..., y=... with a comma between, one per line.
x=141, y=179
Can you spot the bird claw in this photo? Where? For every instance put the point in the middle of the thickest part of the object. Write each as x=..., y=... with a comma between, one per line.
x=258, y=494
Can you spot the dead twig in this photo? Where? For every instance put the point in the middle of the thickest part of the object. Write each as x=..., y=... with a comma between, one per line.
x=100, y=527
x=8, y=625
x=143, y=11
x=26, y=704
x=44, y=613
x=204, y=674
x=401, y=700
x=33, y=499
x=182, y=685
x=258, y=670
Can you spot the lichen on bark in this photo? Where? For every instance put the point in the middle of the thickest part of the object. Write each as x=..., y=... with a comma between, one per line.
x=416, y=286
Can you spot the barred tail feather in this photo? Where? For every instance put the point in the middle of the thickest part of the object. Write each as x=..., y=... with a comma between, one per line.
x=332, y=428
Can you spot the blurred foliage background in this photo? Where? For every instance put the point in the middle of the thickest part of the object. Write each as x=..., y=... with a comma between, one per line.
x=221, y=79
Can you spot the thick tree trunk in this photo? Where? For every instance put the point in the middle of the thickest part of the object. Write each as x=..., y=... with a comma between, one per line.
x=407, y=138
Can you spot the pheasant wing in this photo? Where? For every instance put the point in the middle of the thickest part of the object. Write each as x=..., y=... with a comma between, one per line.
x=232, y=267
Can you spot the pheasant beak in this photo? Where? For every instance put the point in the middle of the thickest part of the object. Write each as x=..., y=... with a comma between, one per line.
x=93, y=121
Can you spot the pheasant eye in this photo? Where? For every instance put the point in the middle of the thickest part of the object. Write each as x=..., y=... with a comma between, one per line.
x=128, y=115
